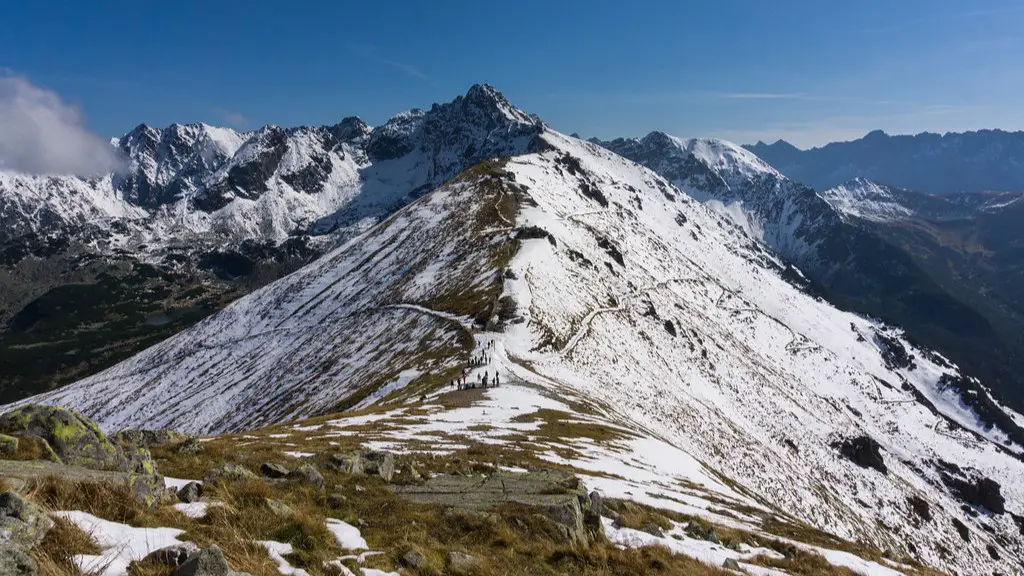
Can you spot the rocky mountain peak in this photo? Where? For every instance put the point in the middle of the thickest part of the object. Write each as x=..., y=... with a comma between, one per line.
x=350, y=129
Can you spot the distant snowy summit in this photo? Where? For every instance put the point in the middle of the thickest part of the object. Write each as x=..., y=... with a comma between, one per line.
x=981, y=161
x=195, y=180
x=874, y=201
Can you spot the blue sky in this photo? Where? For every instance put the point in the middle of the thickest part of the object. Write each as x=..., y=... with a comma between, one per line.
x=807, y=71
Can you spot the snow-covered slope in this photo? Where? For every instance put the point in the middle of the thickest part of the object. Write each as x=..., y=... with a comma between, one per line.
x=596, y=276
x=787, y=216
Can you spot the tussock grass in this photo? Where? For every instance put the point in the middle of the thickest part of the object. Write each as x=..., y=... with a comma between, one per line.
x=54, y=554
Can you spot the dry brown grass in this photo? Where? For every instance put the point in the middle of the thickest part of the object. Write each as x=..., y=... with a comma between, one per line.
x=54, y=554
x=31, y=448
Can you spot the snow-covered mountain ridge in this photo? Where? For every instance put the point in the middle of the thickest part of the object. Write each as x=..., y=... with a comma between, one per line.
x=877, y=202
x=202, y=181
x=595, y=278
x=842, y=253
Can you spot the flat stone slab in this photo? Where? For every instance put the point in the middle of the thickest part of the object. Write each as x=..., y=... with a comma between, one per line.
x=482, y=493
x=19, y=472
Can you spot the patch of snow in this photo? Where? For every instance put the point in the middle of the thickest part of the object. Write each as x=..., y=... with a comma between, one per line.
x=194, y=509
x=277, y=552
x=347, y=535
x=121, y=544
x=178, y=483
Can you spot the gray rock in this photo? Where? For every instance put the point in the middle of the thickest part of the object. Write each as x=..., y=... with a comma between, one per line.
x=136, y=460
x=277, y=507
x=307, y=474
x=415, y=560
x=206, y=562
x=272, y=470
x=191, y=446
x=731, y=564
x=712, y=536
x=190, y=492
x=592, y=515
x=15, y=562
x=22, y=523
x=351, y=463
x=148, y=438
x=174, y=555
x=369, y=462
x=148, y=489
x=228, y=473
x=653, y=529
x=378, y=463
x=8, y=445
x=462, y=564
x=336, y=499
x=76, y=440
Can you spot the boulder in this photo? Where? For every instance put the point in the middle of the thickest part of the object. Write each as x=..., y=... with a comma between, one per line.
x=22, y=523
x=147, y=438
x=307, y=474
x=173, y=556
x=277, y=507
x=190, y=492
x=191, y=446
x=462, y=564
x=75, y=439
x=206, y=562
x=228, y=473
x=272, y=470
x=8, y=445
x=15, y=562
x=148, y=489
x=415, y=560
x=379, y=463
x=137, y=460
x=731, y=564
x=369, y=462
x=593, y=514
x=351, y=463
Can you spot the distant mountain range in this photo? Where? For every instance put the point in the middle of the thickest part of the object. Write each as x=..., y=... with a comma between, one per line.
x=981, y=161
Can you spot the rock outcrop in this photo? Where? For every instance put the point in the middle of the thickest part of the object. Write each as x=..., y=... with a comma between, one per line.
x=863, y=451
x=228, y=473
x=15, y=562
x=147, y=438
x=73, y=438
x=368, y=462
x=22, y=523
x=559, y=497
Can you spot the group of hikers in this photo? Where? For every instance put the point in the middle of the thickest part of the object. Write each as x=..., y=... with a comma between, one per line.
x=484, y=380
x=464, y=382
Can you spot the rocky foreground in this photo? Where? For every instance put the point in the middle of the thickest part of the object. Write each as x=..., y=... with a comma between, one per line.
x=76, y=501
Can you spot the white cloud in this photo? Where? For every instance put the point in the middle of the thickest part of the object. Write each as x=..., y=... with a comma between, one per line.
x=40, y=134
x=234, y=119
